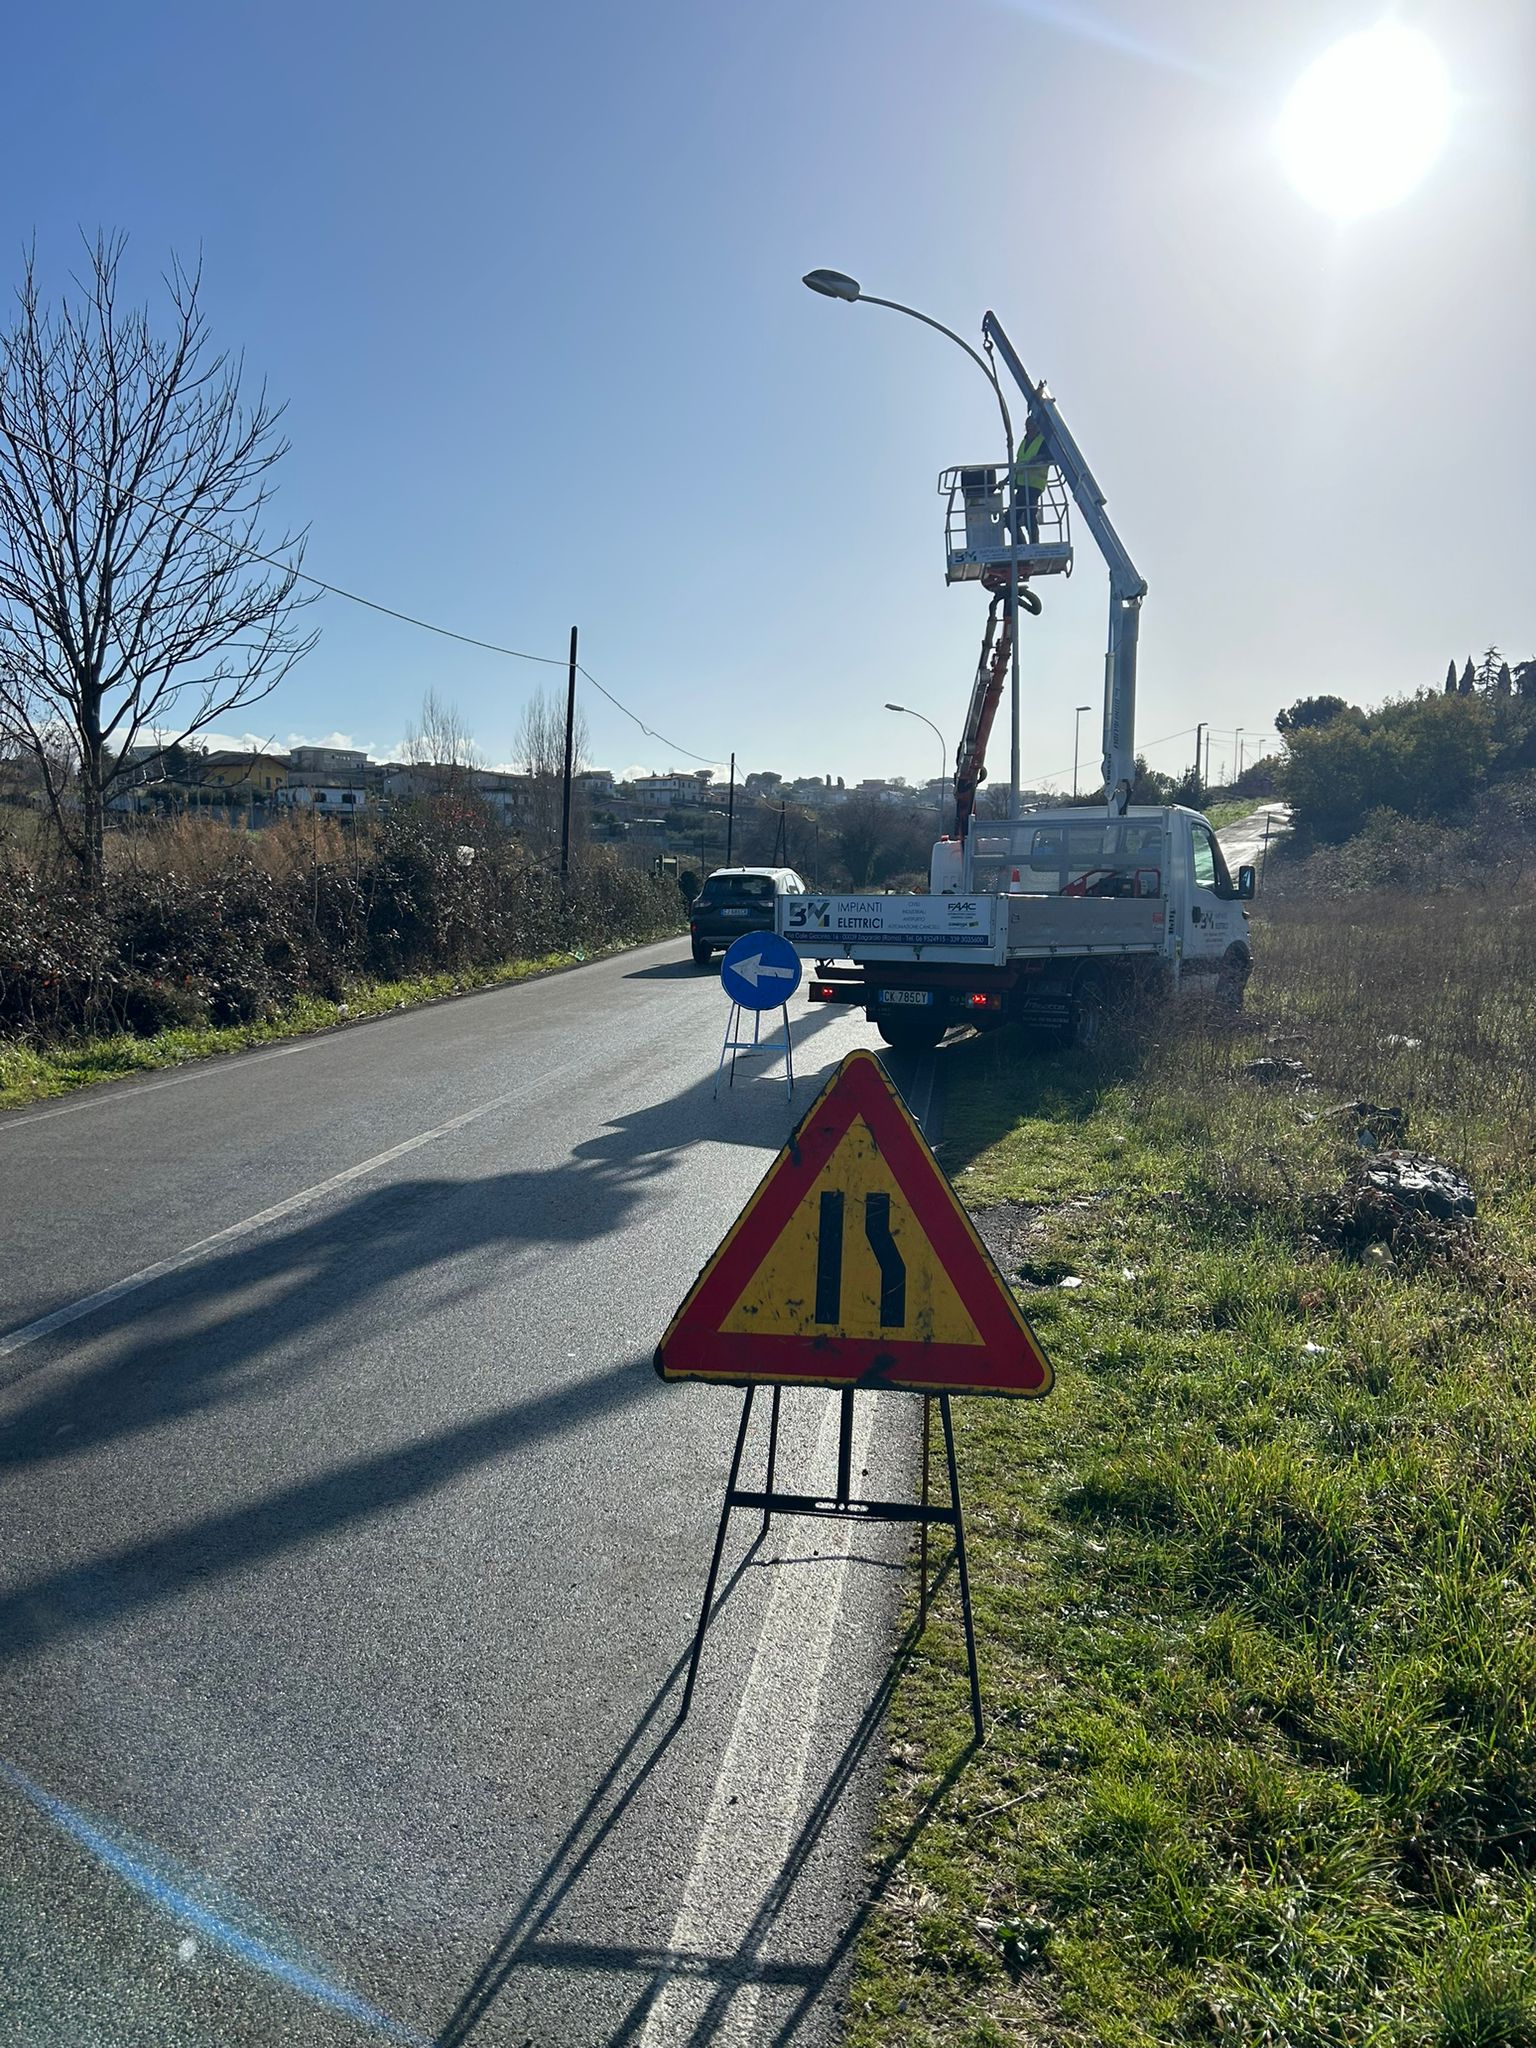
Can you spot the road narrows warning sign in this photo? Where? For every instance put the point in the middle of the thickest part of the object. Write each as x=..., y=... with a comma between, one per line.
x=855, y=1265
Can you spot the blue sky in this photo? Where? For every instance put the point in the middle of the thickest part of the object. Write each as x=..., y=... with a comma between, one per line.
x=528, y=280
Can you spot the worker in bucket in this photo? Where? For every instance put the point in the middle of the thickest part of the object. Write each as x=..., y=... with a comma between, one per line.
x=1031, y=467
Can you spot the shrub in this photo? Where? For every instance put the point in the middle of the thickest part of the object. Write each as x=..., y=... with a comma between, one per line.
x=198, y=924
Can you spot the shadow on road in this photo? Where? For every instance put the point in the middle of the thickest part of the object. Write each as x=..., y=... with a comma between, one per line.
x=672, y=970
x=257, y=1317
x=526, y=1947
x=83, y=1597
x=212, y=1331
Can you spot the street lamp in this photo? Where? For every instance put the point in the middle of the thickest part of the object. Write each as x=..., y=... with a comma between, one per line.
x=1077, y=734
x=837, y=284
x=907, y=712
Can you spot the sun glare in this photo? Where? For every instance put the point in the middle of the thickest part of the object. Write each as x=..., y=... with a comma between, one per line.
x=1365, y=123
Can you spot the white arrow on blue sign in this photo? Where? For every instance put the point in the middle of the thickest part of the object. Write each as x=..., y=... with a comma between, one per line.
x=761, y=971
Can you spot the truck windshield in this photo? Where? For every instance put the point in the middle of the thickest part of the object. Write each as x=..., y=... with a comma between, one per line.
x=1099, y=857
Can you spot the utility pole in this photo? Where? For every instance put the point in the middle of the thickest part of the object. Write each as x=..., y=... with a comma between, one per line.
x=1199, y=774
x=1205, y=780
x=730, y=814
x=570, y=737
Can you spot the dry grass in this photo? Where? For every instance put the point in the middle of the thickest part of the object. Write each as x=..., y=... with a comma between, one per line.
x=201, y=849
x=1257, y=1585
x=1428, y=1003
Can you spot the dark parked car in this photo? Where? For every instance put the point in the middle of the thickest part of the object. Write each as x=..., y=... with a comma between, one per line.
x=737, y=900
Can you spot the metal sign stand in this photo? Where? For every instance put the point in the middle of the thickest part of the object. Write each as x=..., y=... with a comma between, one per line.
x=843, y=1505
x=736, y=1046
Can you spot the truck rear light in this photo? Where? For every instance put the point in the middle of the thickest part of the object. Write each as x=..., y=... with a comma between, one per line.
x=822, y=992
x=981, y=1002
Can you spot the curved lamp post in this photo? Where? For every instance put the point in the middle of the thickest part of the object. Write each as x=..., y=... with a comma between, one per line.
x=907, y=712
x=837, y=284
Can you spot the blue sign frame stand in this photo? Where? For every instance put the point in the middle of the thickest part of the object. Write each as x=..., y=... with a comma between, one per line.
x=760, y=972
x=744, y=1048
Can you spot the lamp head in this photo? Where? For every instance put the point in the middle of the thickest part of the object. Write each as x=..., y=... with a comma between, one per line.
x=832, y=284
x=895, y=707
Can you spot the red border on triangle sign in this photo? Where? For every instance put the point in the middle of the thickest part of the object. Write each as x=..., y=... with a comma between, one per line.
x=1003, y=1356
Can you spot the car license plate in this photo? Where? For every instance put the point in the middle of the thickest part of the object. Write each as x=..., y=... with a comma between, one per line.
x=733, y=913
x=906, y=995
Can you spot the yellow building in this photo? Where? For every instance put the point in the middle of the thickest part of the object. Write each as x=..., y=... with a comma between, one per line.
x=248, y=775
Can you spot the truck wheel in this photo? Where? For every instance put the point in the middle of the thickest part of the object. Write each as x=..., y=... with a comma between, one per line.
x=702, y=954
x=910, y=1034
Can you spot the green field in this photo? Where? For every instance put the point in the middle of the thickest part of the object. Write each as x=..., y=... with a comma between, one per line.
x=1256, y=1585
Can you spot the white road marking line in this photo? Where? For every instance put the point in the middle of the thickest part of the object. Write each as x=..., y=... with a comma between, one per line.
x=29, y=1333
x=755, y=1811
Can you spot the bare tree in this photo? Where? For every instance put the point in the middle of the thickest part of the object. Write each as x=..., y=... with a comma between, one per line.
x=439, y=743
x=139, y=600
x=541, y=746
x=871, y=835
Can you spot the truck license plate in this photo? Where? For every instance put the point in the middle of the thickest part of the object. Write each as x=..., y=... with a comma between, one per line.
x=906, y=995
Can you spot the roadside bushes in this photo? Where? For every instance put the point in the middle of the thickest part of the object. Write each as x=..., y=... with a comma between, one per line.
x=198, y=924
x=1491, y=852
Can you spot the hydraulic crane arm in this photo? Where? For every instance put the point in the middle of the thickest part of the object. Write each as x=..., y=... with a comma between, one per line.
x=986, y=695
x=1126, y=586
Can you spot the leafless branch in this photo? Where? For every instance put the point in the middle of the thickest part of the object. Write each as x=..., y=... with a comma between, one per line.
x=134, y=481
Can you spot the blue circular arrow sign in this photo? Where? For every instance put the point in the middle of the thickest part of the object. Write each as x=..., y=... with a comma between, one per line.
x=760, y=971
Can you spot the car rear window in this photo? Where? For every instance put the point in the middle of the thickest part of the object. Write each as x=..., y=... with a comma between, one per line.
x=739, y=889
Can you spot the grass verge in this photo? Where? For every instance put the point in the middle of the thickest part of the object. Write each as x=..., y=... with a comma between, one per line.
x=1232, y=809
x=1256, y=1585
x=33, y=1074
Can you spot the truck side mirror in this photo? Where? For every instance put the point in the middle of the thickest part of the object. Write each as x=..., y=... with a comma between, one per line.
x=1247, y=883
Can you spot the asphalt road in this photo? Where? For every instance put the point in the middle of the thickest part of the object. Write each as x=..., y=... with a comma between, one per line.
x=350, y=1551
x=1244, y=840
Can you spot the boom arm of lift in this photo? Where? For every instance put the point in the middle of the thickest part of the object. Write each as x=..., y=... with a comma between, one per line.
x=1126, y=587
x=986, y=695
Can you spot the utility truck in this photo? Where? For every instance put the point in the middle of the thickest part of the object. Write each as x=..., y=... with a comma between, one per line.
x=1057, y=916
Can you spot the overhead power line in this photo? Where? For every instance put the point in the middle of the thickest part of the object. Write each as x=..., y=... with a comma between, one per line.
x=390, y=611
x=472, y=640
x=1145, y=748
x=649, y=731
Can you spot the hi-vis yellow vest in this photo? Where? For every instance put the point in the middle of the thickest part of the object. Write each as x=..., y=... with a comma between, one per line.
x=1030, y=468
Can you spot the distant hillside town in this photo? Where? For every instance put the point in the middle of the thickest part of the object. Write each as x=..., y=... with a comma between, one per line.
x=345, y=780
